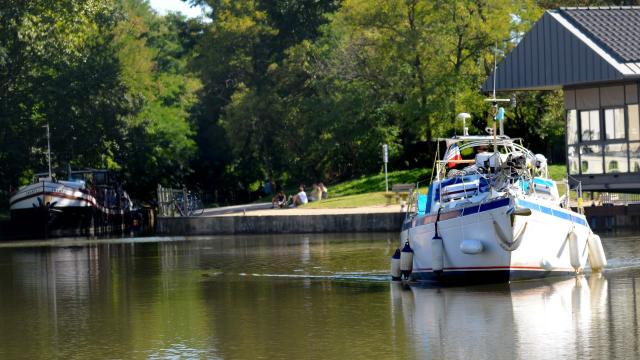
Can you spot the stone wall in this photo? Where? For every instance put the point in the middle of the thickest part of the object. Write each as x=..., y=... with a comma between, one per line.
x=614, y=217
x=379, y=222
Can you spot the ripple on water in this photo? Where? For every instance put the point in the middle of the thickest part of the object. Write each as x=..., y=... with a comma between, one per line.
x=623, y=263
x=338, y=276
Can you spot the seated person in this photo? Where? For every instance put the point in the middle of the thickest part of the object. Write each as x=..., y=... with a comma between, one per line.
x=280, y=200
x=316, y=193
x=300, y=198
x=325, y=191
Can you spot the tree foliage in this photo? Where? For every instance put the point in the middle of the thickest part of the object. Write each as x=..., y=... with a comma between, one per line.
x=58, y=67
x=108, y=77
x=316, y=99
x=154, y=53
x=295, y=90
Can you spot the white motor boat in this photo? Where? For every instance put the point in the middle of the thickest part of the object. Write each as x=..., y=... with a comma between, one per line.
x=492, y=214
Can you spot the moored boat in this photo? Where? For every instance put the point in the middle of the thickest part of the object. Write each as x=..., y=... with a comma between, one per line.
x=88, y=202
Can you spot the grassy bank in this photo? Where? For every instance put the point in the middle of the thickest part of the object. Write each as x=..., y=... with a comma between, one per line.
x=369, y=191
x=557, y=172
x=375, y=183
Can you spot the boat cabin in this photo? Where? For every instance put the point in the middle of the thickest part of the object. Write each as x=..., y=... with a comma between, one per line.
x=470, y=170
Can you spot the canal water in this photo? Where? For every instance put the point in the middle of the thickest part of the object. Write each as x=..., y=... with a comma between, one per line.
x=296, y=297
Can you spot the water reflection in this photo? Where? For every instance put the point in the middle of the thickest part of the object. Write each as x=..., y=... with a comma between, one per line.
x=322, y=297
x=573, y=318
x=83, y=301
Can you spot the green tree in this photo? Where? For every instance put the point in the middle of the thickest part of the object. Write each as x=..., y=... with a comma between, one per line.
x=243, y=110
x=57, y=67
x=154, y=52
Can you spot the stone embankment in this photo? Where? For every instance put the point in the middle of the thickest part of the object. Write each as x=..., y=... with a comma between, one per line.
x=256, y=219
x=613, y=217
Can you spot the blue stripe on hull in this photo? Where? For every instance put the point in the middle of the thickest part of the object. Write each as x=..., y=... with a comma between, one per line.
x=569, y=216
x=470, y=210
x=482, y=277
x=475, y=209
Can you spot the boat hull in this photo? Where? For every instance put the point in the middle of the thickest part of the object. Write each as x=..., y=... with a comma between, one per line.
x=513, y=247
x=52, y=209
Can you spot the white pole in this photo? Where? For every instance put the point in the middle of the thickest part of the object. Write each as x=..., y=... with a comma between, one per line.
x=385, y=158
x=48, y=150
x=386, y=178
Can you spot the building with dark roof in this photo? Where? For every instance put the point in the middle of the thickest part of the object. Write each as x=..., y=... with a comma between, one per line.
x=593, y=55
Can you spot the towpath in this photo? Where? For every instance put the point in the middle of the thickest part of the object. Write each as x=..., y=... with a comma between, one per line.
x=266, y=210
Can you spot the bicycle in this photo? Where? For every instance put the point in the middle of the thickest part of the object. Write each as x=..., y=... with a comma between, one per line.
x=191, y=207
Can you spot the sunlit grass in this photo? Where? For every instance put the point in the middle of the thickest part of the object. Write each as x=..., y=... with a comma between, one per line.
x=557, y=172
x=369, y=190
x=358, y=200
x=375, y=183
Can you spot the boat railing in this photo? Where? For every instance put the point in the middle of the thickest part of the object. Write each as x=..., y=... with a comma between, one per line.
x=412, y=202
x=573, y=196
x=607, y=198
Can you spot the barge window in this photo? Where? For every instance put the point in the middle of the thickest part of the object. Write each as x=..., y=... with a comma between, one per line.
x=572, y=127
x=572, y=156
x=590, y=124
x=615, y=158
x=634, y=122
x=614, y=123
x=591, y=159
x=634, y=157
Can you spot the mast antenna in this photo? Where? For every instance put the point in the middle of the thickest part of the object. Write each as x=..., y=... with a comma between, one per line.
x=497, y=115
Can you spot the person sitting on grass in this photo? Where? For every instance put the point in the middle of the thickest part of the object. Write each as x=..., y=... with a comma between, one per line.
x=325, y=191
x=316, y=193
x=280, y=200
x=300, y=198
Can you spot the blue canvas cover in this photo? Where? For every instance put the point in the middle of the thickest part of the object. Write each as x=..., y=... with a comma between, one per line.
x=484, y=184
x=422, y=203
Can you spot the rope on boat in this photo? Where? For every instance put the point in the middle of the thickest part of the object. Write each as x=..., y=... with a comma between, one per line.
x=437, y=249
x=503, y=241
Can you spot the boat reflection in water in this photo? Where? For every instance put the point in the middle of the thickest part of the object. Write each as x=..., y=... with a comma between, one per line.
x=528, y=320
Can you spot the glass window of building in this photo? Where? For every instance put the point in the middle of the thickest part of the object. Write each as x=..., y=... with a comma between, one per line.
x=573, y=160
x=634, y=157
x=634, y=122
x=572, y=127
x=614, y=123
x=615, y=158
x=591, y=159
x=590, y=123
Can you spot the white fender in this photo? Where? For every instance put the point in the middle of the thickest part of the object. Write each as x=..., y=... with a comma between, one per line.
x=597, y=258
x=471, y=247
x=406, y=260
x=404, y=237
x=574, y=252
x=437, y=254
x=395, y=266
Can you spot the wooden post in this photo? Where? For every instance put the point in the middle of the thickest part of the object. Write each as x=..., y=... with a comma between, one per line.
x=160, y=200
x=185, y=204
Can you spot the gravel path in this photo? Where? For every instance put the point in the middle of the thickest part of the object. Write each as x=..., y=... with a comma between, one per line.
x=265, y=210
